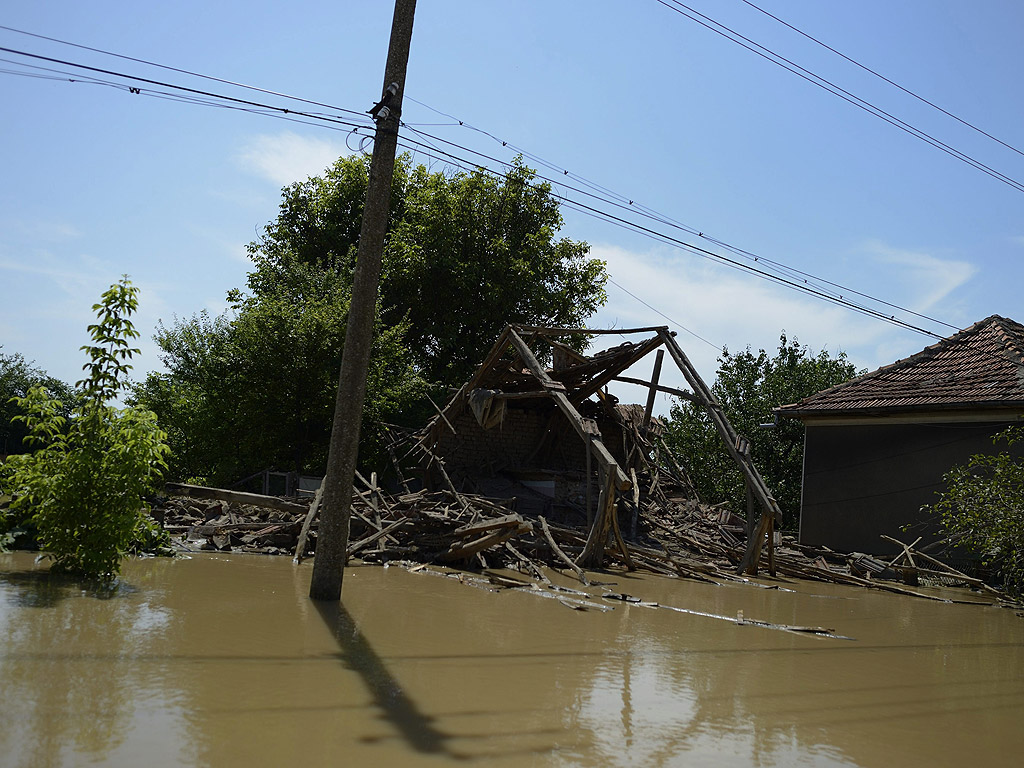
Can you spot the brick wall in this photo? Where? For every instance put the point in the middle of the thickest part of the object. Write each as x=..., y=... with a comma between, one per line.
x=474, y=450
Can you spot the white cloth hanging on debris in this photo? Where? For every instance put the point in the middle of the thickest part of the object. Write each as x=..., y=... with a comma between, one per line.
x=489, y=411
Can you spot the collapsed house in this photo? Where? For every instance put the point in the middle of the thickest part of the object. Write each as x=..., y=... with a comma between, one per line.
x=530, y=467
x=558, y=442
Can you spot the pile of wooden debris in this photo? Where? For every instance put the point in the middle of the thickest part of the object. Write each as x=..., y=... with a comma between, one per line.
x=676, y=536
x=529, y=467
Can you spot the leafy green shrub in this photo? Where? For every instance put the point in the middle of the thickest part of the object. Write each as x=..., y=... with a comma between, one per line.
x=983, y=508
x=82, y=488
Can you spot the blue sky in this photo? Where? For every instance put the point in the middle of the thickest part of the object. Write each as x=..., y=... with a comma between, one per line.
x=632, y=96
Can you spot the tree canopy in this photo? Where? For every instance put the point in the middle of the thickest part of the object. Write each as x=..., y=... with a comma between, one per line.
x=750, y=386
x=256, y=388
x=17, y=377
x=465, y=254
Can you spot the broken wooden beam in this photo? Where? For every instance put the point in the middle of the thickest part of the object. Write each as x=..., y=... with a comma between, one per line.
x=597, y=447
x=533, y=363
x=234, y=497
x=468, y=549
x=557, y=331
x=558, y=550
x=507, y=521
x=314, y=508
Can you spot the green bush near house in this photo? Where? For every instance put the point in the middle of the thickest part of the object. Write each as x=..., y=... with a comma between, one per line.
x=983, y=508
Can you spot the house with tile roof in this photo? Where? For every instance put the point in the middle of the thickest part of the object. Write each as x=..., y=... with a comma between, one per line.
x=876, y=447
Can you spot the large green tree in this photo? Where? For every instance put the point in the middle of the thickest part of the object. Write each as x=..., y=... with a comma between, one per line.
x=750, y=386
x=255, y=388
x=17, y=377
x=466, y=254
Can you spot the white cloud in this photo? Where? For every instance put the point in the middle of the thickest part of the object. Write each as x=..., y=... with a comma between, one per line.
x=286, y=157
x=72, y=281
x=42, y=230
x=732, y=309
x=926, y=280
x=51, y=305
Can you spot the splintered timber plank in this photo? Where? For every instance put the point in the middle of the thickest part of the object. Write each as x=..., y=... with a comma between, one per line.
x=557, y=331
x=533, y=364
x=469, y=549
x=314, y=508
x=557, y=391
x=641, y=350
x=507, y=521
x=236, y=497
x=597, y=447
x=377, y=535
x=558, y=551
x=769, y=507
x=594, y=550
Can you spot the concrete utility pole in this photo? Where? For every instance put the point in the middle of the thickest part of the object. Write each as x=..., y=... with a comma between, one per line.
x=335, y=507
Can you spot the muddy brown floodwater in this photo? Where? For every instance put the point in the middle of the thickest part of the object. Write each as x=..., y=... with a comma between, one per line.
x=223, y=661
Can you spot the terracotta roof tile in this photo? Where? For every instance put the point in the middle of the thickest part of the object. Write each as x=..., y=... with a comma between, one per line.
x=981, y=366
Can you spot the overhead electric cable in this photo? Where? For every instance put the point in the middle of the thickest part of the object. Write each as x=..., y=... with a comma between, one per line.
x=893, y=83
x=446, y=156
x=180, y=71
x=186, y=89
x=790, y=271
x=703, y=252
x=658, y=312
x=835, y=90
x=623, y=200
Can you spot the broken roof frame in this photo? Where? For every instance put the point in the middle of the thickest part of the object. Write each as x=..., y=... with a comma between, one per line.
x=513, y=371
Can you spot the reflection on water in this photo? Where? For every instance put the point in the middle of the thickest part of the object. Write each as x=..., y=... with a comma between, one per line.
x=223, y=661
x=69, y=689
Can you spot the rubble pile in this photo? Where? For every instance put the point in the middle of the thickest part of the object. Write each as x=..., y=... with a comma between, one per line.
x=676, y=536
x=530, y=467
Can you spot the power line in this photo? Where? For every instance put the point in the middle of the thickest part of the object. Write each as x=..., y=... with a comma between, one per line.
x=448, y=156
x=658, y=312
x=466, y=165
x=268, y=110
x=697, y=250
x=781, y=61
x=794, y=278
x=883, y=77
x=625, y=203
x=180, y=71
x=618, y=200
x=183, y=88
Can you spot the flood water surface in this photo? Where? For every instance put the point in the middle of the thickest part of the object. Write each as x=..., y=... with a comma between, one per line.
x=223, y=661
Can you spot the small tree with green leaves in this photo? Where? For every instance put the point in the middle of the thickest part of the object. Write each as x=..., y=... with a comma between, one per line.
x=983, y=508
x=83, y=486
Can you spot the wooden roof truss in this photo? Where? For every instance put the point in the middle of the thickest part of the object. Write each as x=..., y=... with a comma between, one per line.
x=513, y=371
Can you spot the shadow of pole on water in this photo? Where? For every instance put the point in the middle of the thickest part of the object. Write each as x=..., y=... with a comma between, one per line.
x=415, y=727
